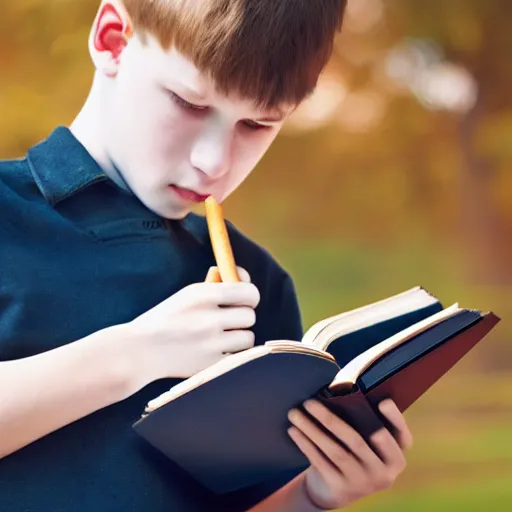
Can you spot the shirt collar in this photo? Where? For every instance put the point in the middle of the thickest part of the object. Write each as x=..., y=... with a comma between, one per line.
x=62, y=167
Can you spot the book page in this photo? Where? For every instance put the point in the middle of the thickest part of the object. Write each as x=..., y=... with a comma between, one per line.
x=298, y=348
x=348, y=375
x=324, y=332
x=344, y=326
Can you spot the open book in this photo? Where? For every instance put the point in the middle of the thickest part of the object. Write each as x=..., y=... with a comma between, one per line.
x=227, y=425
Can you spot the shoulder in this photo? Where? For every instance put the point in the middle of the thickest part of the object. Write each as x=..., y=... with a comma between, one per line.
x=18, y=197
x=13, y=170
x=15, y=180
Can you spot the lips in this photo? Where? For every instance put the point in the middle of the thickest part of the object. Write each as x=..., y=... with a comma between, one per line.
x=189, y=195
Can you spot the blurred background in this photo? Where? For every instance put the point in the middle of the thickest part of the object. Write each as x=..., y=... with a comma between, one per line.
x=396, y=173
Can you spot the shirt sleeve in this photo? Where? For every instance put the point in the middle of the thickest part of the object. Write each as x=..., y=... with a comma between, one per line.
x=280, y=319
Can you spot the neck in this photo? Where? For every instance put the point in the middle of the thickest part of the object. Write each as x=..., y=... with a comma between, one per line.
x=87, y=127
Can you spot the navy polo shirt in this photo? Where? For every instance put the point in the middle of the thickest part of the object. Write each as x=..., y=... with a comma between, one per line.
x=78, y=254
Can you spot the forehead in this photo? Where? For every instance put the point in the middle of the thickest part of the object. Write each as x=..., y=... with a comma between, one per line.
x=173, y=69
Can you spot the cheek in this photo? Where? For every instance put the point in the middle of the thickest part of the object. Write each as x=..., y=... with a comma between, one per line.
x=171, y=138
x=153, y=122
x=248, y=152
x=252, y=149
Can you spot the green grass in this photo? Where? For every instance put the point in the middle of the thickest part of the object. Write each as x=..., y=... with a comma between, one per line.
x=452, y=443
x=471, y=391
x=486, y=494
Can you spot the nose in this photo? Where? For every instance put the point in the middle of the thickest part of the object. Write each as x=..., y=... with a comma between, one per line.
x=211, y=151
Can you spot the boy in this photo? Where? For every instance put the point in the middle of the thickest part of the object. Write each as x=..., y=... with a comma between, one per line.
x=103, y=300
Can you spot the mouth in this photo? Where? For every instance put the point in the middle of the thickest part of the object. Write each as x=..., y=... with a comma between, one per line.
x=189, y=195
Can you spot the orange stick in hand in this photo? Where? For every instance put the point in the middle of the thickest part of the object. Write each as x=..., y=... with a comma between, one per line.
x=226, y=270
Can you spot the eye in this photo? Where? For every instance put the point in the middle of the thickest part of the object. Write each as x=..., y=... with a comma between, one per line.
x=185, y=104
x=253, y=125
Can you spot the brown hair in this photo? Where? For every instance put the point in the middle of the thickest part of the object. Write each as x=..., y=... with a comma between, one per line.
x=269, y=51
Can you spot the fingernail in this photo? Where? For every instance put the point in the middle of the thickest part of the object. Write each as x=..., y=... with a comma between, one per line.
x=293, y=415
x=386, y=406
x=310, y=406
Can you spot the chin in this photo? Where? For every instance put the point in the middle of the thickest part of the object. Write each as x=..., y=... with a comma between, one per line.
x=175, y=215
x=166, y=209
x=171, y=212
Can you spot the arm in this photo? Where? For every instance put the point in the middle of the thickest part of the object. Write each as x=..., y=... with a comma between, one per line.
x=292, y=497
x=177, y=338
x=42, y=393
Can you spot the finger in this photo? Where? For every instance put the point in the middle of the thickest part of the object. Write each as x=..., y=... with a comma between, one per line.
x=390, y=410
x=234, y=318
x=389, y=450
x=244, y=275
x=332, y=450
x=237, y=294
x=345, y=433
x=213, y=275
x=315, y=457
x=221, y=294
x=236, y=341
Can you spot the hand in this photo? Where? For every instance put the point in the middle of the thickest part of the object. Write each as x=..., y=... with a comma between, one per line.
x=193, y=329
x=337, y=476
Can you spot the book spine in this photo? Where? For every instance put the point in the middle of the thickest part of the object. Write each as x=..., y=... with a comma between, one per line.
x=325, y=393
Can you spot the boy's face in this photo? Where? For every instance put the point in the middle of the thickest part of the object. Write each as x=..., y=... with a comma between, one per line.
x=173, y=138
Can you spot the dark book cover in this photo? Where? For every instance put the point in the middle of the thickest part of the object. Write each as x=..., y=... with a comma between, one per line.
x=232, y=431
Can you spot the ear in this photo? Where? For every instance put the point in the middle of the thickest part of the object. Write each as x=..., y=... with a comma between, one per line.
x=109, y=36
